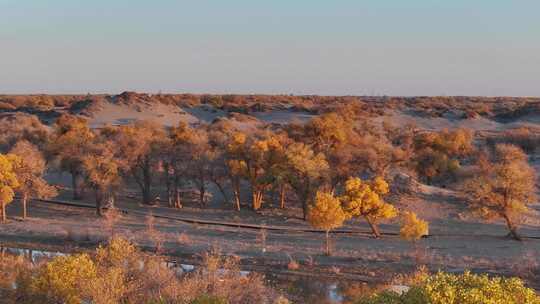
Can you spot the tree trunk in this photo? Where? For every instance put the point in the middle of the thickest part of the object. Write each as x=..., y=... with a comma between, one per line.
x=257, y=196
x=328, y=253
x=237, y=199
x=202, y=191
x=147, y=184
x=236, y=192
x=282, y=196
x=177, y=198
x=147, y=197
x=24, y=200
x=168, y=185
x=170, y=196
x=512, y=228
x=374, y=229
x=222, y=191
x=4, y=217
x=75, y=185
x=305, y=198
x=98, y=202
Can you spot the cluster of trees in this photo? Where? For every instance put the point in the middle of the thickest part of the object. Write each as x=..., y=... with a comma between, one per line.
x=334, y=154
x=297, y=159
x=361, y=199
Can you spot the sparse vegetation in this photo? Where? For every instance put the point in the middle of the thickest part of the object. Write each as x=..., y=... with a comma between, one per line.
x=120, y=273
x=339, y=166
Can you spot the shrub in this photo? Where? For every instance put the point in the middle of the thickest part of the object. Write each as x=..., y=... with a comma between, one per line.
x=413, y=228
x=61, y=280
x=120, y=273
x=468, y=288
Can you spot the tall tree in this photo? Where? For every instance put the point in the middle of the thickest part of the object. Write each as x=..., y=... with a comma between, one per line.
x=189, y=156
x=306, y=171
x=8, y=181
x=219, y=134
x=101, y=170
x=30, y=172
x=333, y=134
x=364, y=199
x=503, y=187
x=255, y=158
x=71, y=141
x=138, y=147
x=326, y=213
x=174, y=157
x=200, y=165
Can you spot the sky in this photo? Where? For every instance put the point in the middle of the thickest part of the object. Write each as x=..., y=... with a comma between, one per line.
x=324, y=47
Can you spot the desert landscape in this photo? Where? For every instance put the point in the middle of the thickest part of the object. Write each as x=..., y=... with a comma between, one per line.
x=331, y=198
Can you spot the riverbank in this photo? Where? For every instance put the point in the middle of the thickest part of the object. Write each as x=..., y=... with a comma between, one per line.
x=356, y=256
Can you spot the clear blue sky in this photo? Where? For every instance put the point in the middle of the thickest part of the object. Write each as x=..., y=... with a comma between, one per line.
x=331, y=47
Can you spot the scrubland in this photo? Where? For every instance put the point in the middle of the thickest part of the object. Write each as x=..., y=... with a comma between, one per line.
x=356, y=188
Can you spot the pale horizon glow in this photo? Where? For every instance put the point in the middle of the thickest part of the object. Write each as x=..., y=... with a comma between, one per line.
x=340, y=47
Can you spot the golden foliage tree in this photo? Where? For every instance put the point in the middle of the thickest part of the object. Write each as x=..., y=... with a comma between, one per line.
x=175, y=157
x=438, y=154
x=188, y=156
x=255, y=159
x=102, y=173
x=30, y=174
x=503, y=187
x=413, y=228
x=69, y=144
x=327, y=132
x=326, y=213
x=137, y=148
x=365, y=199
x=236, y=165
x=306, y=171
x=8, y=180
x=333, y=135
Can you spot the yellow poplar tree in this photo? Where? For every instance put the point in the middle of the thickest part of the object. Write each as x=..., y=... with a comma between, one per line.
x=326, y=213
x=364, y=199
x=504, y=187
x=30, y=173
x=72, y=137
x=8, y=180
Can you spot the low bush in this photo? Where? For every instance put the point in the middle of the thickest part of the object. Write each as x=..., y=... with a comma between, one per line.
x=468, y=288
x=120, y=273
